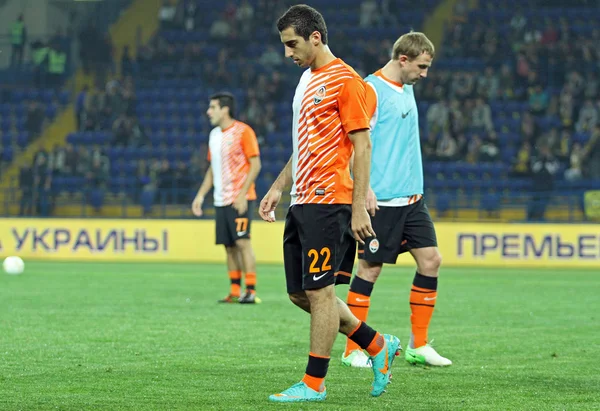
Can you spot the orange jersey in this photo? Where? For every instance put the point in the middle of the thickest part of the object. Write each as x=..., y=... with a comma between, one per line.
x=229, y=151
x=329, y=103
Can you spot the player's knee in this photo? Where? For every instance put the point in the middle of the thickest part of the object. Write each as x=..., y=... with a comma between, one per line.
x=243, y=244
x=300, y=299
x=368, y=272
x=433, y=262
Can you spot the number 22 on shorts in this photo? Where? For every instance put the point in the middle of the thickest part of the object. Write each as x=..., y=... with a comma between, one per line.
x=323, y=256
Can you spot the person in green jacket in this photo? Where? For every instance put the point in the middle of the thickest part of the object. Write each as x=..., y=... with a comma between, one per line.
x=18, y=36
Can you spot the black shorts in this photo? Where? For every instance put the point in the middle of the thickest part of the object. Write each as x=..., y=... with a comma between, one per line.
x=317, y=243
x=231, y=226
x=398, y=229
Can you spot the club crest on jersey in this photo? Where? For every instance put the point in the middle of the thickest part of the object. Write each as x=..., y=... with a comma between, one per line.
x=319, y=95
x=374, y=245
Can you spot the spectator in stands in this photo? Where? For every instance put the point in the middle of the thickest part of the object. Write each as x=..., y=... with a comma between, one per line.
x=575, y=172
x=564, y=147
x=127, y=62
x=166, y=14
x=438, y=116
x=463, y=85
x=18, y=38
x=460, y=11
x=456, y=123
x=42, y=181
x=591, y=155
x=518, y=21
x=369, y=15
x=506, y=82
x=447, y=148
x=80, y=106
x=588, y=117
x=35, y=119
x=220, y=29
x=183, y=183
x=544, y=167
x=521, y=165
x=83, y=161
x=69, y=166
x=39, y=57
x=538, y=100
x=189, y=15
x=166, y=182
x=566, y=105
x=271, y=57
x=26, y=184
x=245, y=16
x=462, y=147
x=97, y=174
x=481, y=116
x=56, y=160
x=122, y=131
x=490, y=150
x=57, y=65
x=487, y=85
x=474, y=150
x=529, y=129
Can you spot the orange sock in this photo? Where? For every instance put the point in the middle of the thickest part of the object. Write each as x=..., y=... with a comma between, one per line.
x=359, y=305
x=316, y=383
x=250, y=281
x=316, y=370
x=422, y=302
x=235, y=277
x=376, y=345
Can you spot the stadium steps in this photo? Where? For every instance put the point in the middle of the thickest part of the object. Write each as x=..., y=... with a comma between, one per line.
x=141, y=13
x=434, y=23
x=53, y=134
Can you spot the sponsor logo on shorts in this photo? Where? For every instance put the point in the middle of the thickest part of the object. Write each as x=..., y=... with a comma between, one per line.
x=374, y=245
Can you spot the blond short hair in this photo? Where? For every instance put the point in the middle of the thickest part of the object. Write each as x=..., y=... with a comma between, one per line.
x=412, y=45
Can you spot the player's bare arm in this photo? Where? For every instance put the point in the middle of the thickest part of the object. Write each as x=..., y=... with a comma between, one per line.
x=361, y=222
x=205, y=187
x=241, y=202
x=371, y=201
x=272, y=198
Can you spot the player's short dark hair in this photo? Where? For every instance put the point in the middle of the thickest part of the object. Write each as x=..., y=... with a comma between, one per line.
x=225, y=99
x=304, y=20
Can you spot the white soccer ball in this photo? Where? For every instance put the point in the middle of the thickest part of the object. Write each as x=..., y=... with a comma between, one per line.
x=13, y=265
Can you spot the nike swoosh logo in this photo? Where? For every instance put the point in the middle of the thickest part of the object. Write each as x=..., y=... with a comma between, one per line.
x=241, y=233
x=315, y=278
x=385, y=367
x=406, y=114
x=429, y=299
x=362, y=300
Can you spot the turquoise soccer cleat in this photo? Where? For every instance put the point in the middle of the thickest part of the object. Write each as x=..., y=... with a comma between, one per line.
x=299, y=392
x=382, y=364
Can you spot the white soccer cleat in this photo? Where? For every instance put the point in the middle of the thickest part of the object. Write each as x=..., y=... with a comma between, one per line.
x=356, y=359
x=426, y=355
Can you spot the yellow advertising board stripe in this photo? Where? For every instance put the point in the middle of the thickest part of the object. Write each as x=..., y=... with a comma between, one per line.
x=473, y=244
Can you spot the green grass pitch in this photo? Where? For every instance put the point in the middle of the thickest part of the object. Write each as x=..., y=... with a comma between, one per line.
x=79, y=336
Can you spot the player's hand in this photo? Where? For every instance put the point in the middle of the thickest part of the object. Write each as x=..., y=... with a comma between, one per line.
x=372, y=202
x=361, y=224
x=269, y=204
x=197, y=206
x=240, y=204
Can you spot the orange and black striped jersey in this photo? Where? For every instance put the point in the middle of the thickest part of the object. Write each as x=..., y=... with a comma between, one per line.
x=329, y=103
x=229, y=151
